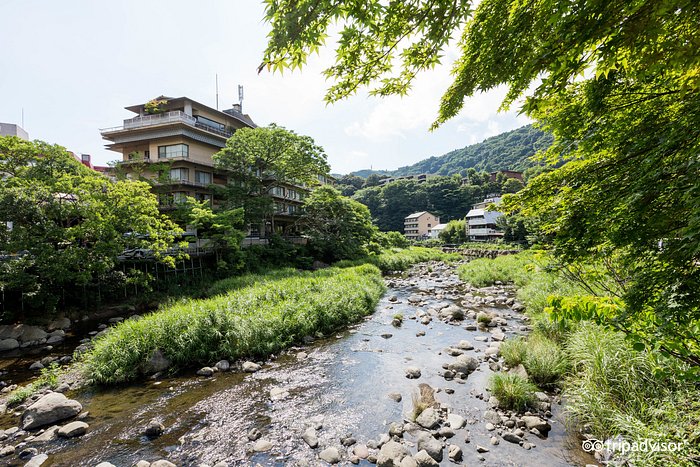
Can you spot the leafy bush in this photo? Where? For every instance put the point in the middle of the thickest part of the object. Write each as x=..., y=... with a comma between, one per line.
x=247, y=321
x=512, y=391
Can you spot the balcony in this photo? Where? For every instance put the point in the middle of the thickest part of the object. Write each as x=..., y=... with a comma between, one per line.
x=165, y=118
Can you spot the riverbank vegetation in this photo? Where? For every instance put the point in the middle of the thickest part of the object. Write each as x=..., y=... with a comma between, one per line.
x=612, y=387
x=400, y=259
x=248, y=320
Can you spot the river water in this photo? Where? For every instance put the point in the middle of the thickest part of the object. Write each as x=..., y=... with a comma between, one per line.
x=341, y=382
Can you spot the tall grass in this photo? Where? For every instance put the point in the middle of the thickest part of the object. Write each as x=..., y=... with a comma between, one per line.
x=512, y=391
x=544, y=361
x=253, y=320
x=509, y=268
x=400, y=259
x=48, y=378
x=616, y=390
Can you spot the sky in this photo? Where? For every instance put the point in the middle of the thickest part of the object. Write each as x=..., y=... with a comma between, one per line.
x=72, y=66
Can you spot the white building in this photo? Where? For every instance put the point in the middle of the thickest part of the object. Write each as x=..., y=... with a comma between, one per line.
x=481, y=223
x=434, y=232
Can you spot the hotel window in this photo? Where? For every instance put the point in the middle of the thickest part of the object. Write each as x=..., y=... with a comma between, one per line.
x=173, y=150
x=179, y=197
x=202, y=177
x=180, y=174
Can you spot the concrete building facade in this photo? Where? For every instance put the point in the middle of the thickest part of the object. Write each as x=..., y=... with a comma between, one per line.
x=481, y=223
x=417, y=225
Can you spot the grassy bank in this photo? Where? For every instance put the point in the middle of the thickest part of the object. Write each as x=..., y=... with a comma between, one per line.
x=400, y=259
x=251, y=316
x=610, y=389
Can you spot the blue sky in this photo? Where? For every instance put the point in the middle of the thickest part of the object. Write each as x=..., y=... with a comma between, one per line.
x=74, y=65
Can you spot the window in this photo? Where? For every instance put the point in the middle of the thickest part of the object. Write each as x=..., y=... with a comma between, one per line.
x=173, y=150
x=210, y=123
x=180, y=174
x=179, y=197
x=202, y=177
x=203, y=197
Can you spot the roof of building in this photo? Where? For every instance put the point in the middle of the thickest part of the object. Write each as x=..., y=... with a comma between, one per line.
x=439, y=227
x=417, y=214
x=243, y=118
x=476, y=213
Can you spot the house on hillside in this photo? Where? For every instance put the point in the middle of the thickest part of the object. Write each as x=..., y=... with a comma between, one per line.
x=434, y=232
x=481, y=223
x=417, y=226
x=507, y=173
x=420, y=178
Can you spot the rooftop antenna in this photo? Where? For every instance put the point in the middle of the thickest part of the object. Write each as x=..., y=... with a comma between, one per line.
x=217, y=91
x=240, y=97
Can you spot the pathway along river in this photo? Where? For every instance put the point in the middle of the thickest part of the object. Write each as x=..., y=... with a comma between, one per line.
x=341, y=384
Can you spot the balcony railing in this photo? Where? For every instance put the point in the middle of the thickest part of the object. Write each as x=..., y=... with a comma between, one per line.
x=484, y=232
x=176, y=116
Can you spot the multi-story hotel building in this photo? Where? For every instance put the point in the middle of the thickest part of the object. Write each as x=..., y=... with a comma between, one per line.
x=417, y=225
x=171, y=142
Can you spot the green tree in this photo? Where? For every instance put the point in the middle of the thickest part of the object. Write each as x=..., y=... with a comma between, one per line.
x=69, y=223
x=338, y=227
x=455, y=232
x=618, y=85
x=260, y=159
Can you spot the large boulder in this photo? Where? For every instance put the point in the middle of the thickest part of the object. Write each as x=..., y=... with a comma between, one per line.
x=8, y=344
x=59, y=323
x=464, y=364
x=49, y=409
x=391, y=454
x=11, y=331
x=428, y=418
x=32, y=334
x=532, y=421
x=431, y=446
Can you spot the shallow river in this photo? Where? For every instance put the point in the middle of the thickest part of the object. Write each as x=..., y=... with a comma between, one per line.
x=343, y=383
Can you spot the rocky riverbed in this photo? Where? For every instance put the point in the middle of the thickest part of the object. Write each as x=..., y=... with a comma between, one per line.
x=406, y=387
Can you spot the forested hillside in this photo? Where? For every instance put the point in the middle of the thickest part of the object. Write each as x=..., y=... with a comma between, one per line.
x=508, y=151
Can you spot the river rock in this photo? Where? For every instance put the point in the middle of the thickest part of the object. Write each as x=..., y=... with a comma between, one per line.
x=537, y=423
x=7, y=451
x=512, y=438
x=32, y=334
x=446, y=432
x=250, y=367
x=50, y=434
x=428, y=418
x=59, y=323
x=396, y=429
x=37, y=460
x=395, y=396
x=54, y=339
x=310, y=438
x=105, y=464
x=262, y=445
x=154, y=429
x=454, y=453
x=481, y=449
x=156, y=363
x=222, y=365
x=464, y=364
x=455, y=421
x=413, y=372
x=9, y=344
x=408, y=461
x=520, y=371
x=391, y=454
x=330, y=455
x=162, y=463
x=423, y=459
x=465, y=345
x=36, y=366
x=492, y=416
x=50, y=408
x=73, y=429
x=432, y=446
x=206, y=371
x=361, y=451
